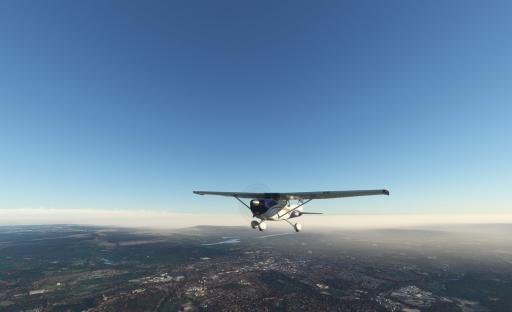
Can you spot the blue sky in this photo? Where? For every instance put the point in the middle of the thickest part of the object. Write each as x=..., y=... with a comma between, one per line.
x=132, y=105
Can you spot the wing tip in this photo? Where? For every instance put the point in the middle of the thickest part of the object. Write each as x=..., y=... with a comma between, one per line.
x=385, y=192
x=198, y=192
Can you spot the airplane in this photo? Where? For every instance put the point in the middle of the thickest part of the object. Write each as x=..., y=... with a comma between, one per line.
x=277, y=206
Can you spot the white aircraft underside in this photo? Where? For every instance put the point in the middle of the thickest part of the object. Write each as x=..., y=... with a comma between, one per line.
x=279, y=214
x=277, y=206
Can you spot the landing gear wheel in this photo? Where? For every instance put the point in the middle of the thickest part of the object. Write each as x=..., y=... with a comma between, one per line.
x=297, y=227
x=254, y=224
x=262, y=226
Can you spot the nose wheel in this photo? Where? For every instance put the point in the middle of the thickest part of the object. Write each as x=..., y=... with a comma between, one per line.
x=262, y=226
x=254, y=224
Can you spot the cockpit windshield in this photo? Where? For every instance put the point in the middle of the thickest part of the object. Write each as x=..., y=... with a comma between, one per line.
x=270, y=203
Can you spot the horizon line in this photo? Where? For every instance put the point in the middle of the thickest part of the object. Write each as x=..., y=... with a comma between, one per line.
x=172, y=220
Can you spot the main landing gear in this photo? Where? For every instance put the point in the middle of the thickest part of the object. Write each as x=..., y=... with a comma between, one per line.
x=296, y=226
x=262, y=226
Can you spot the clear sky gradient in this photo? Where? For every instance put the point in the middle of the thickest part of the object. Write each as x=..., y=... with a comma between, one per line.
x=132, y=105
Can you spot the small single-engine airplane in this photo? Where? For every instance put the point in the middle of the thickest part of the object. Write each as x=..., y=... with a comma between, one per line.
x=277, y=206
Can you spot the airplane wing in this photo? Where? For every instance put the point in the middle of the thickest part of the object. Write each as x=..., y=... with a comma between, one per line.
x=298, y=195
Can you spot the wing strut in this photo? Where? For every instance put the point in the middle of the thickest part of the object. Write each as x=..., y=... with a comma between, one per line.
x=242, y=202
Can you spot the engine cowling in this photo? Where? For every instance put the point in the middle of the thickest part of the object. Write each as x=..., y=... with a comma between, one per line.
x=260, y=206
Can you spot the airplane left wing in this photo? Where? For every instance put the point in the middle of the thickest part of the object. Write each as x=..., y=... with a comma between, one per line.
x=236, y=194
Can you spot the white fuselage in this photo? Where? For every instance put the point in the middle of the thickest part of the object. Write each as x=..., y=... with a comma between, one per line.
x=277, y=213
